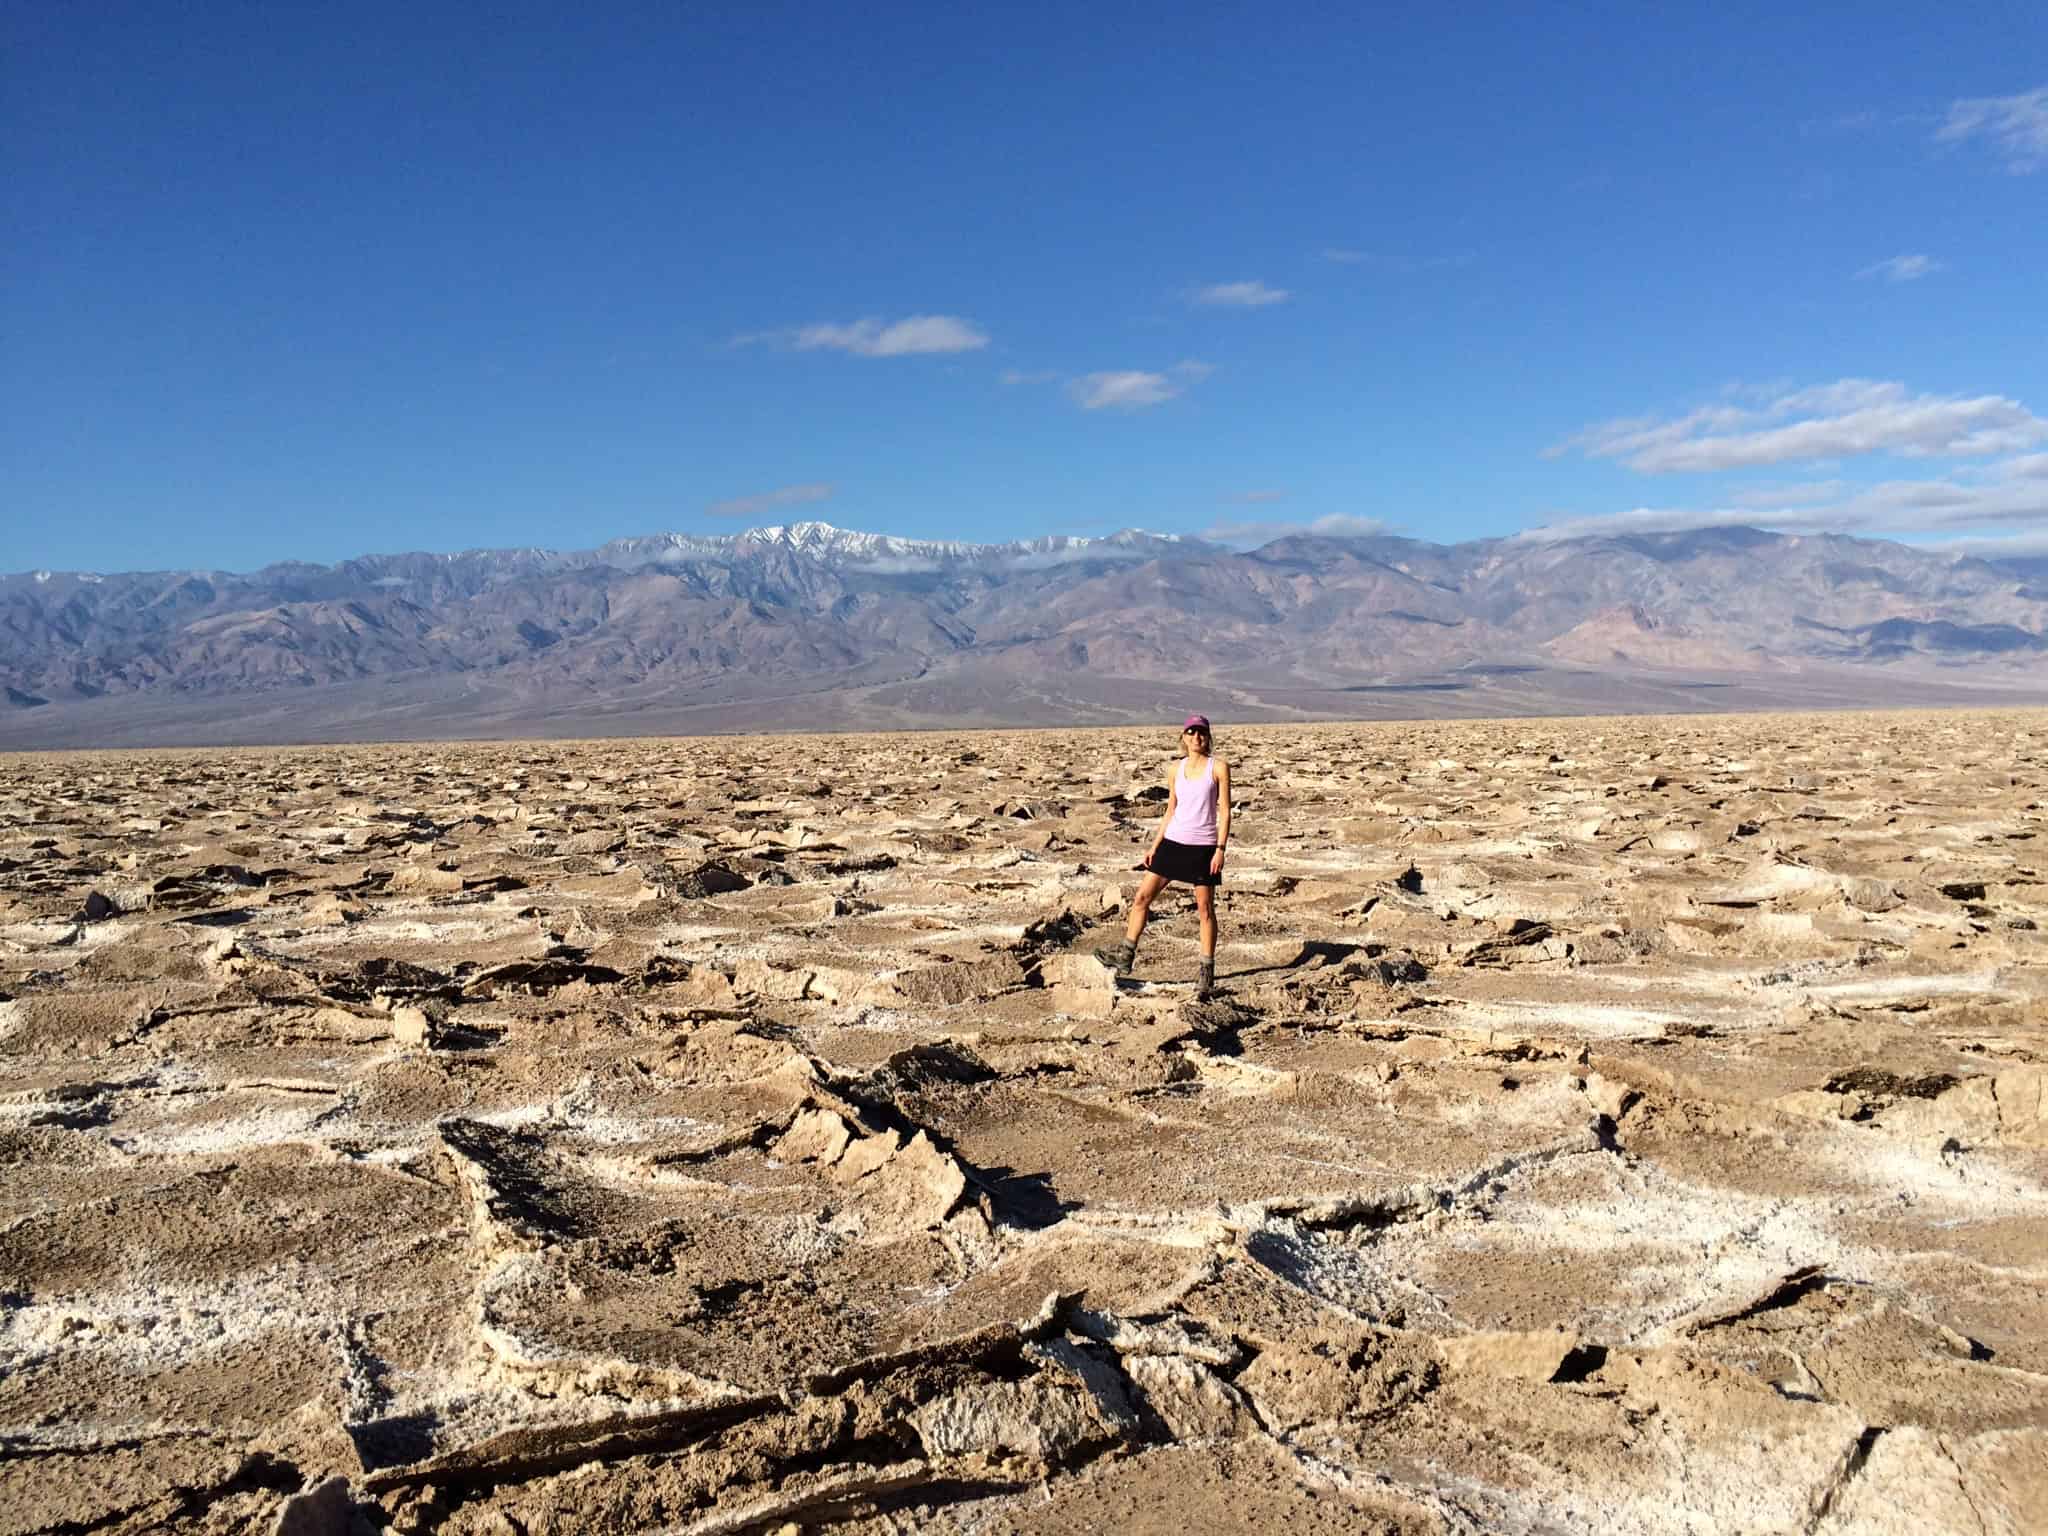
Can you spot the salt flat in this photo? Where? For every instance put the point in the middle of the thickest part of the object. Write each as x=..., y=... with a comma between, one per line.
x=1607, y=1124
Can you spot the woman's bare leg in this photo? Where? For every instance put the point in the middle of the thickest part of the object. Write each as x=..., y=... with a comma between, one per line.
x=1141, y=905
x=1205, y=908
x=1118, y=957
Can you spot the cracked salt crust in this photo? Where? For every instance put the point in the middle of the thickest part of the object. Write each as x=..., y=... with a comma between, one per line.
x=1388, y=1174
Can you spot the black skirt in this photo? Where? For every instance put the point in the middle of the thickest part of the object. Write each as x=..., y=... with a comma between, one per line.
x=1185, y=862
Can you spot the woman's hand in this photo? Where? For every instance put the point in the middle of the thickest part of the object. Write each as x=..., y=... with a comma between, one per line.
x=1216, y=862
x=1147, y=860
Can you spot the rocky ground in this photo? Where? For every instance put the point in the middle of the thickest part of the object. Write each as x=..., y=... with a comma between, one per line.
x=1607, y=1125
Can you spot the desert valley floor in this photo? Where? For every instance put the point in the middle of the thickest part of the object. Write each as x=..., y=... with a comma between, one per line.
x=1619, y=1125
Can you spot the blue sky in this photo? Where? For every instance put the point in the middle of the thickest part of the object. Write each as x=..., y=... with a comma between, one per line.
x=292, y=282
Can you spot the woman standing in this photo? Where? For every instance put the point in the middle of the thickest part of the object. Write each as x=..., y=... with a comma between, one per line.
x=1188, y=847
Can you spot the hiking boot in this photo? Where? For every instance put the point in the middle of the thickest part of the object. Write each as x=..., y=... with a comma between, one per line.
x=1205, y=979
x=1118, y=957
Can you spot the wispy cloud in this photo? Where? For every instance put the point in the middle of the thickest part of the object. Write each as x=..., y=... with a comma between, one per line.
x=901, y=338
x=1862, y=121
x=769, y=501
x=2011, y=546
x=1901, y=269
x=1829, y=421
x=2010, y=494
x=908, y=337
x=1337, y=525
x=1248, y=295
x=1344, y=256
x=1133, y=389
x=1089, y=551
x=2016, y=127
x=1654, y=520
x=1129, y=390
x=1027, y=376
x=1255, y=497
x=1765, y=497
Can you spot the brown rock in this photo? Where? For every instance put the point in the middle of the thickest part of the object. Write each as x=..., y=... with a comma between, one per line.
x=1533, y=1356
x=342, y=1024
x=322, y=1510
x=410, y=1025
x=757, y=978
x=912, y=1192
x=705, y=987
x=1189, y=1398
x=1293, y=1385
x=1078, y=985
x=2022, y=1095
x=418, y=879
x=330, y=911
x=814, y=1136
x=866, y=1155
x=1609, y=1097
x=961, y=981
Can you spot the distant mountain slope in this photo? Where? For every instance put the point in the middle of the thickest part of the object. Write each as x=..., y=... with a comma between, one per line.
x=724, y=632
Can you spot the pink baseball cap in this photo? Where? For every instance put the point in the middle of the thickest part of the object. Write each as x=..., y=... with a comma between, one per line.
x=1194, y=720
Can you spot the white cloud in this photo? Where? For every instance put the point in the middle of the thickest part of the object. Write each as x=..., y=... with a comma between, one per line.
x=1134, y=389
x=2012, y=546
x=1248, y=295
x=1901, y=269
x=1023, y=376
x=907, y=337
x=1125, y=391
x=1091, y=551
x=768, y=501
x=1257, y=496
x=1342, y=255
x=2016, y=126
x=902, y=338
x=1828, y=421
x=1337, y=525
x=2009, y=494
x=1645, y=520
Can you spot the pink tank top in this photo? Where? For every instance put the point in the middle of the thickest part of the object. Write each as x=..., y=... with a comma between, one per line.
x=1194, y=812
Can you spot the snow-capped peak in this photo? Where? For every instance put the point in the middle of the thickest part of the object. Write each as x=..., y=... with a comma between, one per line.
x=824, y=538
x=824, y=541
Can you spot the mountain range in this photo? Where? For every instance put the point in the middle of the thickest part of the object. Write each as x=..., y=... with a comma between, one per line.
x=811, y=626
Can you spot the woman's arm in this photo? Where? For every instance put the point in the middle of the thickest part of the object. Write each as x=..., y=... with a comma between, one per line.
x=1222, y=817
x=1166, y=819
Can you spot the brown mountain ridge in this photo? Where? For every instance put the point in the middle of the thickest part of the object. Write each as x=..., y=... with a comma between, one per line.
x=813, y=626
